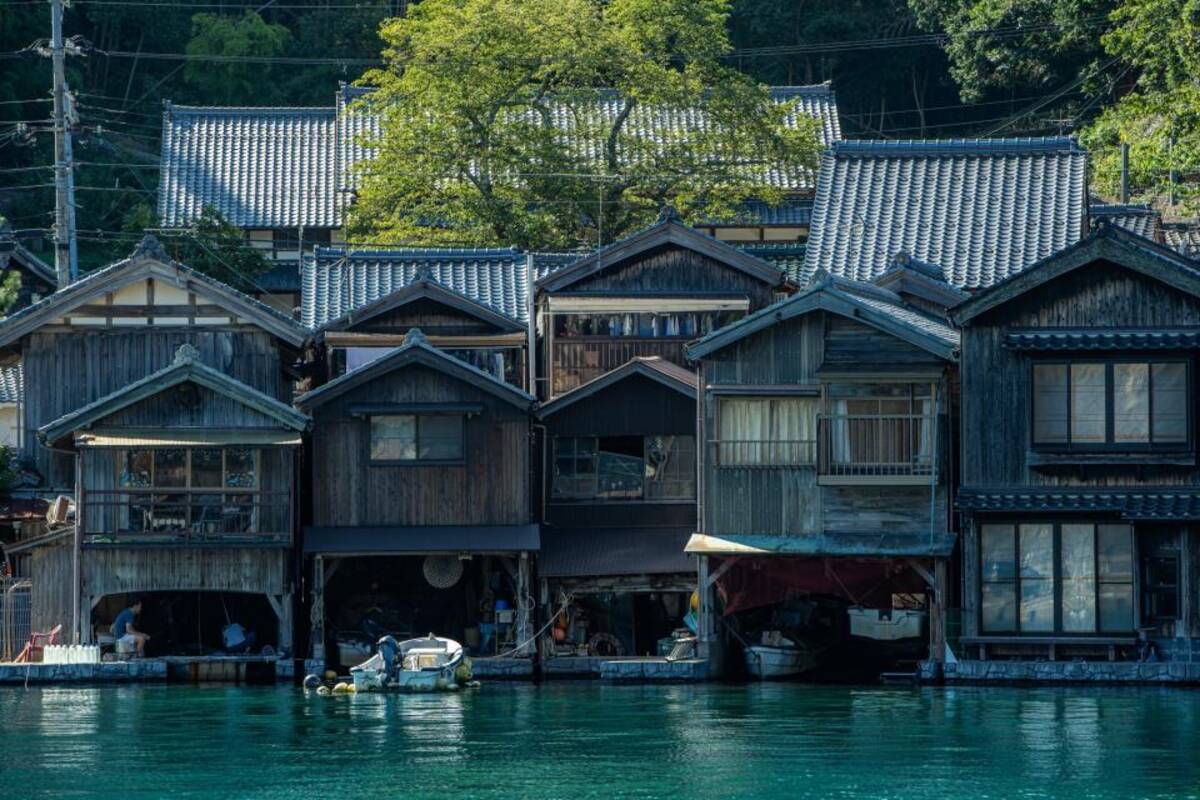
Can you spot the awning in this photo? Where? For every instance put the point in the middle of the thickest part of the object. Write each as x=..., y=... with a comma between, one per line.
x=202, y=437
x=860, y=545
x=595, y=552
x=418, y=540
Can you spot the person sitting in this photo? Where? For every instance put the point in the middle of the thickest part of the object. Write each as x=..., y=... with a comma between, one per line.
x=126, y=635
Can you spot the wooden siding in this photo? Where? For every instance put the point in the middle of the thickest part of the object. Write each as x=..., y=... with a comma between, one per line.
x=789, y=500
x=64, y=371
x=432, y=317
x=490, y=488
x=52, y=570
x=636, y=406
x=996, y=392
x=673, y=270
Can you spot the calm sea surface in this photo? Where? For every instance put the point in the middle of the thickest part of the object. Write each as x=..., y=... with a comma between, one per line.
x=585, y=740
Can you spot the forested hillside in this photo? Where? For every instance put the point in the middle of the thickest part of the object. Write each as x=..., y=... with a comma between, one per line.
x=1110, y=70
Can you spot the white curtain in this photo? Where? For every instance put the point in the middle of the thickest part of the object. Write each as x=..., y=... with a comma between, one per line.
x=763, y=431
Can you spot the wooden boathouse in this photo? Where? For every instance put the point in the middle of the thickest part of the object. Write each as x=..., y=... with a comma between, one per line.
x=422, y=515
x=159, y=402
x=1080, y=488
x=825, y=469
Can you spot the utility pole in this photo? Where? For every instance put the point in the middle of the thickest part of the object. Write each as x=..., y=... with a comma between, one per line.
x=64, y=200
x=1124, y=173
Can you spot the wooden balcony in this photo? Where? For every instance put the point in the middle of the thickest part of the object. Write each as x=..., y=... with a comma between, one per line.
x=186, y=517
x=876, y=448
x=577, y=361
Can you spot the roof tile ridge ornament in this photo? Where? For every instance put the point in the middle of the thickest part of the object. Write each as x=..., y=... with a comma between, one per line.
x=668, y=213
x=151, y=248
x=415, y=337
x=186, y=354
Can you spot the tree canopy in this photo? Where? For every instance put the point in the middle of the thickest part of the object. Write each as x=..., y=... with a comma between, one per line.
x=536, y=122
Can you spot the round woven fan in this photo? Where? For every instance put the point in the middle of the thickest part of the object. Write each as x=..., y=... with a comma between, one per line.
x=442, y=572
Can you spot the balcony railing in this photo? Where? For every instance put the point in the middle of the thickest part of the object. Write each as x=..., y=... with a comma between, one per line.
x=765, y=453
x=186, y=517
x=577, y=361
x=866, y=446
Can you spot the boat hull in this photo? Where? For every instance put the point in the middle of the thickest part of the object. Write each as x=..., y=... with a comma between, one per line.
x=773, y=663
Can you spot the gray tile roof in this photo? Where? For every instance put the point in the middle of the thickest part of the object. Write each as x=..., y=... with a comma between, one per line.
x=981, y=209
x=1147, y=503
x=1140, y=219
x=287, y=167
x=787, y=256
x=792, y=211
x=1072, y=339
x=1183, y=238
x=12, y=384
x=335, y=281
x=259, y=167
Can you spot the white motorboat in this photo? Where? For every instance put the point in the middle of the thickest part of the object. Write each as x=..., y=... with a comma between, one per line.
x=783, y=658
x=417, y=665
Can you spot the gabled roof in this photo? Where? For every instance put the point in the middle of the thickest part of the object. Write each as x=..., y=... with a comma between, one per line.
x=1140, y=219
x=655, y=368
x=416, y=350
x=424, y=288
x=291, y=167
x=864, y=302
x=13, y=252
x=907, y=275
x=336, y=281
x=185, y=368
x=149, y=260
x=982, y=209
x=669, y=230
x=1107, y=242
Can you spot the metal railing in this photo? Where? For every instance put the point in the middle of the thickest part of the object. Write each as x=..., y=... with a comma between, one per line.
x=876, y=445
x=186, y=516
x=15, y=616
x=796, y=453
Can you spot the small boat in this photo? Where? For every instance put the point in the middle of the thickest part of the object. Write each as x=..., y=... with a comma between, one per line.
x=783, y=658
x=417, y=665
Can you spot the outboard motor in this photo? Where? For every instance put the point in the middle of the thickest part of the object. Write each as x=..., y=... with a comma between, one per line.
x=389, y=651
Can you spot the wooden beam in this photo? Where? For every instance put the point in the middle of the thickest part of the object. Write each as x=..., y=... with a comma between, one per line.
x=716, y=574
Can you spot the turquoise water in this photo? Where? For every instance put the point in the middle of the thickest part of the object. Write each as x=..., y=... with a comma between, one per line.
x=584, y=740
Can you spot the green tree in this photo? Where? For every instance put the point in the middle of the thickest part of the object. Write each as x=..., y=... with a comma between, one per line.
x=1159, y=119
x=493, y=129
x=1017, y=47
x=212, y=246
x=233, y=83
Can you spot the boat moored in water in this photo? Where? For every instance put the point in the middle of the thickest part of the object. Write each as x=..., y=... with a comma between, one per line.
x=782, y=658
x=425, y=664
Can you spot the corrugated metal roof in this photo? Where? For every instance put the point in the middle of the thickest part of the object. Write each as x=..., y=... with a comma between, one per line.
x=259, y=167
x=1137, y=504
x=287, y=167
x=1183, y=238
x=335, y=281
x=1140, y=219
x=982, y=209
x=12, y=384
x=864, y=544
x=588, y=552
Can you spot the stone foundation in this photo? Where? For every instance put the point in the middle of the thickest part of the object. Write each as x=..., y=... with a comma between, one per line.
x=572, y=667
x=655, y=670
x=502, y=668
x=104, y=672
x=1068, y=672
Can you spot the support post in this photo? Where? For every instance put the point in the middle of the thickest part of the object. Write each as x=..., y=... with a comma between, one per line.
x=317, y=615
x=937, y=614
x=524, y=610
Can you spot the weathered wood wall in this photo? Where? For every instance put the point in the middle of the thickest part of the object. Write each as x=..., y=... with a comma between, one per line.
x=674, y=270
x=52, y=570
x=492, y=487
x=67, y=370
x=636, y=406
x=788, y=500
x=432, y=317
x=996, y=391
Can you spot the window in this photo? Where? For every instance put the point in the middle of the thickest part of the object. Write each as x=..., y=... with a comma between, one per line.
x=286, y=238
x=615, y=468
x=201, y=488
x=878, y=429
x=767, y=431
x=1105, y=405
x=1160, y=587
x=675, y=324
x=1046, y=578
x=403, y=438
